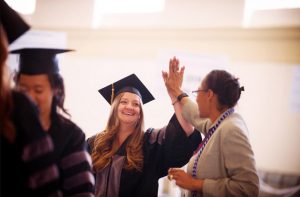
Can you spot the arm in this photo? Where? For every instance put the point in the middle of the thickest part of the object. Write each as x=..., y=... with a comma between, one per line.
x=170, y=146
x=76, y=165
x=242, y=179
x=186, y=111
x=173, y=82
x=190, y=113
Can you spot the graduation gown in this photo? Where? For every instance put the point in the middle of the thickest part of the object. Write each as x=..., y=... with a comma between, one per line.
x=73, y=161
x=163, y=148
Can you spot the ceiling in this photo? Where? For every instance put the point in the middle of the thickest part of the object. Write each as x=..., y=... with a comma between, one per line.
x=78, y=14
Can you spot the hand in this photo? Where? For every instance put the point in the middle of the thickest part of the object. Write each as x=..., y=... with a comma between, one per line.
x=173, y=79
x=184, y=180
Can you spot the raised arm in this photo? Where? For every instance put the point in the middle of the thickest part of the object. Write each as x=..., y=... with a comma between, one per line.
x=173, y=81
x=185, y=109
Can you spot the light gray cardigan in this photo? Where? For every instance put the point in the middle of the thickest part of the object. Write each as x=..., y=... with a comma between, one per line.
x=227, y=162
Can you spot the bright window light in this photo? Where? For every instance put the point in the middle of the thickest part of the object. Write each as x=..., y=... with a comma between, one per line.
x=22, y=6
x=102, y=7
x=254, y=5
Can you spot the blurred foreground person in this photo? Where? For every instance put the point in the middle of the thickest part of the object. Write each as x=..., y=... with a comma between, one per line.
x=26, y=151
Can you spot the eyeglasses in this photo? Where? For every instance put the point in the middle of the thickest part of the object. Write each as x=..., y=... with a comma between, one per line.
x=195, y=92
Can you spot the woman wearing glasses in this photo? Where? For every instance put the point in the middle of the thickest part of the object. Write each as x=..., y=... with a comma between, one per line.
x=224, y=163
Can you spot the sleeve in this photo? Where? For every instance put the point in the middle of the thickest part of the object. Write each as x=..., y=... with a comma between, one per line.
x=172, y=147
x=90, y=144
x=75, y=166
x=190, y=113
x=242, y=177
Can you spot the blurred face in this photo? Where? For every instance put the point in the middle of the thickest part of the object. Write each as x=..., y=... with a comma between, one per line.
x=129, y=108
x=203, y=100
x=38, y=88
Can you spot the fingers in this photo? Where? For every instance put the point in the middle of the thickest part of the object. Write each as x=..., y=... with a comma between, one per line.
x=164, y=75
x=173, y=65
x=176, y=64
x=170, y=177
x=173, y=173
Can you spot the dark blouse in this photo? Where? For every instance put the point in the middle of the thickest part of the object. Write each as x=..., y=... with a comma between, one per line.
x=163, y=148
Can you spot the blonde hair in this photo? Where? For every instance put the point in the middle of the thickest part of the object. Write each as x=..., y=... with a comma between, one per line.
x=105, y=147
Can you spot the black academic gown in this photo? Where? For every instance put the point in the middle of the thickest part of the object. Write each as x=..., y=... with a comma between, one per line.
x=163, y=148
x=73, y=161
x=23, y=160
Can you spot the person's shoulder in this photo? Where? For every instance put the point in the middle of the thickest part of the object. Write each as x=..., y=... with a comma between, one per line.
x=70, y=129
x=90, y=143
x=90, y=140
x=234, y=124
x=69, y=124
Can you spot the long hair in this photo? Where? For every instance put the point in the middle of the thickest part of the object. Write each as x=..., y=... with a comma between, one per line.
x=105, y=146
x=57, y=86
x=6, y=126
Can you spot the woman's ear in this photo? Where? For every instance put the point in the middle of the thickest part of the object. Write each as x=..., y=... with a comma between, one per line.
x=57, y=93
x=210, y=94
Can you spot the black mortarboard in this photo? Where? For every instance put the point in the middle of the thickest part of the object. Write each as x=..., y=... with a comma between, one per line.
x=13, y=25
x=34, y=61
x=131, y=84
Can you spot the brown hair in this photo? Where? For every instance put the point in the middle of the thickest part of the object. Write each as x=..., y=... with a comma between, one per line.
x=226, y=86
x=104, y=144
x=6, y=126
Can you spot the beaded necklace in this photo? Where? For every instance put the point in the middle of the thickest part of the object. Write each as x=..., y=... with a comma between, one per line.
x=205, y=141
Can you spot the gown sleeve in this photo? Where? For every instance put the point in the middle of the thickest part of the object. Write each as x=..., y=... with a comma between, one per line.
x=170, y=146
x=190, y=113
x=75, y=165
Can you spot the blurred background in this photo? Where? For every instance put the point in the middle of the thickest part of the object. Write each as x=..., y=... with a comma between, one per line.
x=256, y=40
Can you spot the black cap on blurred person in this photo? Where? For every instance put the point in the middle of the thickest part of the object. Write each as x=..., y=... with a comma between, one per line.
x=130, y=84
x=34, y=61
x=12, y=23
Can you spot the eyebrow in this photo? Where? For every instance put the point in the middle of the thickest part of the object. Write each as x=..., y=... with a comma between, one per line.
x=35, y=86
x=135, y=100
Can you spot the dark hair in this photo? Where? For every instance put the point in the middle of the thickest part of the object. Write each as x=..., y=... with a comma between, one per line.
x=57, y=85
x=225, y=85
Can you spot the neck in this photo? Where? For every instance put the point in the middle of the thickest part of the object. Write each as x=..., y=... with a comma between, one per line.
x=45, y=121
x=216, y=113
x=123, y=133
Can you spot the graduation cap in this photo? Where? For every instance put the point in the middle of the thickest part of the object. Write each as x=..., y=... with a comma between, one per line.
x=12, y=23
x=131, y=84
x=34, y=61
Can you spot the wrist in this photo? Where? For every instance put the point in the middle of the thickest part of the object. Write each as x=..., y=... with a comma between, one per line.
x=198, y=185
x=181, y=96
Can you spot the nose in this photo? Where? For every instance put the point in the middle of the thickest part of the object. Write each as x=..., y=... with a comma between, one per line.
x=129, y=106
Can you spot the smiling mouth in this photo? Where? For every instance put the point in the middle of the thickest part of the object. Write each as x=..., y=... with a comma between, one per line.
x=128, y=113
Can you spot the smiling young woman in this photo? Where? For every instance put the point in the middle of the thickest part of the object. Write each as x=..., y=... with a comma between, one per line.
x=127, y=160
